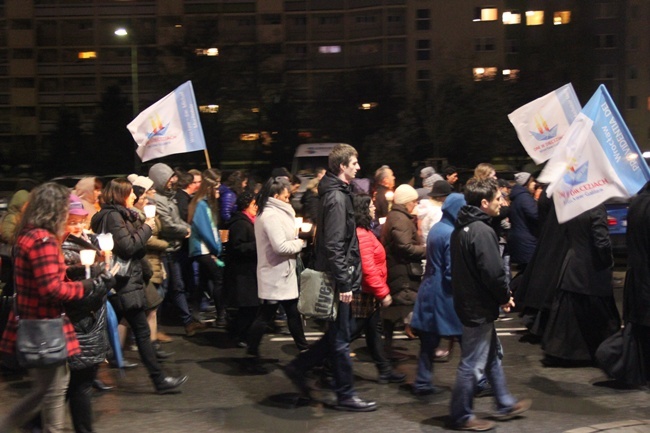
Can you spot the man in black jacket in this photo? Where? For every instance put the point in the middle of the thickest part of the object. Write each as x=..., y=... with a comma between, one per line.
x=336, y=251
x=480, y=288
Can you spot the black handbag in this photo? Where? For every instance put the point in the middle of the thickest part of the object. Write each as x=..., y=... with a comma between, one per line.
x=40, y=342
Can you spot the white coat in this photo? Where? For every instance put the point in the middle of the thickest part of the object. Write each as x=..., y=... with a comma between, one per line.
x=277, y=246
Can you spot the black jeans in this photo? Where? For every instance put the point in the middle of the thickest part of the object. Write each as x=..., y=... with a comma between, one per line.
x=265, y=315
x=243, y=321
x=335, y=345
x=373, y=340
x=137, y=319
x=209, y=272
x=79, y=398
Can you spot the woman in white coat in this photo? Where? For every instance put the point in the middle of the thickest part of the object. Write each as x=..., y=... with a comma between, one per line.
x=277, y=283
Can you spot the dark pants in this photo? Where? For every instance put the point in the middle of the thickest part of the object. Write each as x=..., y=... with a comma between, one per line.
x=209, y=272
x=335, y=345
x=79, y=398
x=137, y=320
x=244, y=319
x=265, y=315
x=373, y=340
x=176, y=286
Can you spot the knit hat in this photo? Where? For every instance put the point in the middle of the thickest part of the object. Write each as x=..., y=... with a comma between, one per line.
x=440, y=189
x=522, y=178
x=404, y=194
x=144, y=182
x=76, y=207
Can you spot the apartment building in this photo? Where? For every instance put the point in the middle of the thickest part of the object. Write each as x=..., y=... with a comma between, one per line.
x=56, y=53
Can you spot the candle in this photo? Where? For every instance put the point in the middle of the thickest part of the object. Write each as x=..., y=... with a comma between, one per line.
x=390, y=195
x=305, y=227
x=87, y=259
x=150, y=210
x=382, y=220
x=105, y=241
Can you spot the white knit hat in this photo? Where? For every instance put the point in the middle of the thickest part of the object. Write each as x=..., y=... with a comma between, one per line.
x=143, y=182
x=404, y=194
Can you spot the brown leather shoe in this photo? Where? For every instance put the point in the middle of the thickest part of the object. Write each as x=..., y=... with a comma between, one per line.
x=517, y=409
x=477, y=424
x=164, y=338
x=192, y=327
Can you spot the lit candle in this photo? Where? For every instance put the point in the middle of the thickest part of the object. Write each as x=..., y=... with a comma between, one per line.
x=87, y=259
x=106, y=244
x=305, y=227
x=382, y=220
x=390, y=195
x=150, y=210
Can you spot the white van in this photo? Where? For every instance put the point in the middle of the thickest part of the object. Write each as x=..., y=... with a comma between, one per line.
x=306, y=160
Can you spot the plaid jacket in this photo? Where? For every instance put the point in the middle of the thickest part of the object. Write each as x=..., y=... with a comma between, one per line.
x=41, y=290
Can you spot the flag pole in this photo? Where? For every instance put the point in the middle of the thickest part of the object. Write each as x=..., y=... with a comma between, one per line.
x=207, y=157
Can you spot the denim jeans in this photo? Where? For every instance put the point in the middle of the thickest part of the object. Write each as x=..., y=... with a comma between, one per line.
x=428, y=343
x=481, y=355
x=47, y=396
x=176, y=286
x=335, y=345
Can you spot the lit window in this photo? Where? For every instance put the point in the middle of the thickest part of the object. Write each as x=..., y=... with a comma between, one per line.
x=87, y=55
x=210, y=52
x=209, y=109
x=484, y=74
x=561, y=17
x=250, y=136
x=489, y=13
x=511, y=18
x=534, y=18
x=329, y=49
x=510, y=74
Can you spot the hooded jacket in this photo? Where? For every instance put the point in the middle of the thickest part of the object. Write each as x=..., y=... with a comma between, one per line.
x=524, y=225
x=11, y=218
x=434, y=308
x=172, y=227
x=477, y=276
x=336, y=248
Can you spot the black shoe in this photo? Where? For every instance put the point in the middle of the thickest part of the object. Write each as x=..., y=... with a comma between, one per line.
x=170, y=384
x=423, y=392
x=161, y=354
x=486, y=391
x=101, y=386
x=298, y=379
x=391, y=377
x=254, y=366
x=355, y=404
x=125, y=364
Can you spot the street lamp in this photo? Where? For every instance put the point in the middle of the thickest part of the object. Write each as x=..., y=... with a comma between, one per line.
x=123, y=33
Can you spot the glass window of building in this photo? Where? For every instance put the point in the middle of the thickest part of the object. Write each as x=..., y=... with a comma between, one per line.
x=632, y=102
x=423, y=19
x=329, y=49
x=607, y=9
x=510, y=74
x=534, y=18
x=486, y=13
x=511, y=17
x=485, y=44
x=606, y=41
x=484, y=74
x=561, y=17
x=423, y=49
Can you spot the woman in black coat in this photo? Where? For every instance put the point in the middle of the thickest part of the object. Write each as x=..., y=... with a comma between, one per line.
x=241, y=267
x=88, y=316
x=130, y=237
x=584, y=312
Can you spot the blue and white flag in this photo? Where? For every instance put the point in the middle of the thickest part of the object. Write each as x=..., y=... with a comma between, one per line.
x=169, y=126
x=540, y=124
x=597, y=159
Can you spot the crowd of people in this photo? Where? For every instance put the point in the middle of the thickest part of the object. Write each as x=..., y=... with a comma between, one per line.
x=443, y=261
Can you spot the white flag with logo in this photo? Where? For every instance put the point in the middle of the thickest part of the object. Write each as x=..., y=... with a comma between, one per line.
x=597, y=159
x=540, y=124
x=169, y=126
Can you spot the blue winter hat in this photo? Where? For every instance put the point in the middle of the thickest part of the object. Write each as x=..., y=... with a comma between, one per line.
x=452, y=205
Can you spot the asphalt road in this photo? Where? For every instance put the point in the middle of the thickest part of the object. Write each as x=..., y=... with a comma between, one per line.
x=220, y=396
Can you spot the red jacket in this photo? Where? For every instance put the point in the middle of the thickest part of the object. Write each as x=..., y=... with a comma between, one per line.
x=41, y=290
x=373, y=264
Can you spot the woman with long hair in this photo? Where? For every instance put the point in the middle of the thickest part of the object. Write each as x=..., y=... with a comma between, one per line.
x=205, y=243
x=277, y=284
x=130, y=236
x=41, y=289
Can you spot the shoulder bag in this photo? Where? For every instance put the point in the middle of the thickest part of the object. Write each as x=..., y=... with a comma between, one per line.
x=40, y=342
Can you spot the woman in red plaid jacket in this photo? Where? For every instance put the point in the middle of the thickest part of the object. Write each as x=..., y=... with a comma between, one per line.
x=41, y=291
